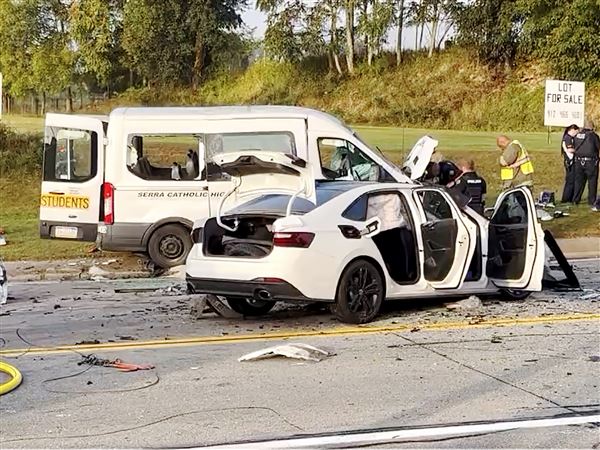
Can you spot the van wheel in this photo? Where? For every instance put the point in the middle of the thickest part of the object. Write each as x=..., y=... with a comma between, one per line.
x=169, y=245
x=249, y=306
x=360, y=293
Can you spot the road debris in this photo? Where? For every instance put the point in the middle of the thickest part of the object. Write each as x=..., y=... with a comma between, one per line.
x=473, y=302
x=98, y=274
x=3, y=284
x=295, y=351
x=592, y=294
x=122, y=366
x=594, y=358
x=204, y=304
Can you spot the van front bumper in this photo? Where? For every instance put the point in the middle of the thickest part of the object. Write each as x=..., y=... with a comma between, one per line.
x=257, y=289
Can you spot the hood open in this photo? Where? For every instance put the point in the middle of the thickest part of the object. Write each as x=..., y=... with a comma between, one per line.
x=419, y=157
x=257, y=173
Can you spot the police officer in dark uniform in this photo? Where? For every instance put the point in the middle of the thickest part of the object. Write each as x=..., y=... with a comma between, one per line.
x=567, y=148
x=585, y=165
x=470, y=185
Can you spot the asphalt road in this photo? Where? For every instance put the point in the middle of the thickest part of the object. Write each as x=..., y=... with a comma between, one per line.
x=421, y=365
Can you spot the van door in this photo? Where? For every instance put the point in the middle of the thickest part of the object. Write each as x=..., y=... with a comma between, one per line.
x=70, y=200
x=448, y=241
x=515, y=242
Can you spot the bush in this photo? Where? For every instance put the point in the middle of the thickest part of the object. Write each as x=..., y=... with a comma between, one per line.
x=451, y=90
x=19, y=153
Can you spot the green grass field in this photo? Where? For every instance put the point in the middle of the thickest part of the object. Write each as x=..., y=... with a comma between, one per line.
x=19, y=197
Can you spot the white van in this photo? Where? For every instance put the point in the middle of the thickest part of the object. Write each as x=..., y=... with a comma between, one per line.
x=137, y=179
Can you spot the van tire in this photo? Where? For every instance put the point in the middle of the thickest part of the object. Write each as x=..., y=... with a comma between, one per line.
x=170, y=245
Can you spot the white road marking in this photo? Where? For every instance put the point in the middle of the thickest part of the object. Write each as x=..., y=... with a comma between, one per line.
x=379, y=437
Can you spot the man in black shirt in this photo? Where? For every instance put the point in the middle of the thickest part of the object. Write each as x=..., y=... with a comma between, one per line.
x=470, y=185
x=587, y=155
x=567, y=148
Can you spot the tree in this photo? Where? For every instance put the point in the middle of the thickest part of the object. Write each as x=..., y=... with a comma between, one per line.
x=374, y=23
x=171, y=41
x=209, y=22
x=400, y=23
x=491, y=28
x=349, y=6
x=35, y=56
x=282, y=40
x=96, y=29
x=565, y=34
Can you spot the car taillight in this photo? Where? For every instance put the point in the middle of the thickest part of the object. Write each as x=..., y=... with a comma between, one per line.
x=291, y=239
x=197, y=235
x=108, y=196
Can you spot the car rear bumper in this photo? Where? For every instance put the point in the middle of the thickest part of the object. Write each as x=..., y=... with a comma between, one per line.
x=259, y=290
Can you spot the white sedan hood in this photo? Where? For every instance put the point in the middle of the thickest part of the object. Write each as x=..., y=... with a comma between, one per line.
x=419, y=157
x=258, y=173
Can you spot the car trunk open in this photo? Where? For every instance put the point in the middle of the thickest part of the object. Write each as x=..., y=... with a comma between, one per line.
x=252, y=238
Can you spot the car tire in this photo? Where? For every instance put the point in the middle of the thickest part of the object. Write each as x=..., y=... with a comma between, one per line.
x=515, y=294
x=250, y=307
x=169, y=245
x=360, y=293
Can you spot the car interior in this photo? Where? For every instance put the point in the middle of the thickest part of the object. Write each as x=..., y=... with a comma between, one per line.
x=140, y=165
x=507, y=236
x=396, y=241
x=439, y=235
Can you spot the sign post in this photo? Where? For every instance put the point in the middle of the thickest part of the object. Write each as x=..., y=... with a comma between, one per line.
x=564, y=103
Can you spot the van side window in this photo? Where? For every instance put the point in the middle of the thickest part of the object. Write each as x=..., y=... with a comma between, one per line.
x=164, y=157
x=342, y=159
x=70, y=155
x=221, y=143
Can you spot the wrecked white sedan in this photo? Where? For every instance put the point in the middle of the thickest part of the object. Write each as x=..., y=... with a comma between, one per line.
x=355, y=244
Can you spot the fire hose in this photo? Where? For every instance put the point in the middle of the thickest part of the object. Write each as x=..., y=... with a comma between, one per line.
x=15, y=378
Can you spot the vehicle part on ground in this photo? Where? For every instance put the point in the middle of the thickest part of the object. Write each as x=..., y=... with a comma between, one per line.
x=3, y=283
x=250, y=306
x=360, y=293
x=515, y=294
x=15, y=378
x=296, y=351
x=213, y=303
x=93, y=360
x=570, y=281
x=169, y=245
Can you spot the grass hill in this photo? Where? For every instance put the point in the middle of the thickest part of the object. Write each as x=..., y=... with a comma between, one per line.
x=451, y=90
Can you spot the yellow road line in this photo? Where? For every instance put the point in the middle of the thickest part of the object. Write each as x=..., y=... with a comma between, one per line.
x=337, y=331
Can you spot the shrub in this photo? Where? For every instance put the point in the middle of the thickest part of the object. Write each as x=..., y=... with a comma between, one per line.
x=19, y=153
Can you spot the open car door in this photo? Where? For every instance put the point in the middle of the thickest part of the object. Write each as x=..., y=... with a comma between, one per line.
x=515, y=243
x=73, y=173
x=448, y=239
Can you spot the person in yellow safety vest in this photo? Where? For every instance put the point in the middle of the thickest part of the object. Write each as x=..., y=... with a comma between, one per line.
x=516, y=166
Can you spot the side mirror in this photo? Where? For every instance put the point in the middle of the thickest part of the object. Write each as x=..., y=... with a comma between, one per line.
x=372, y=228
